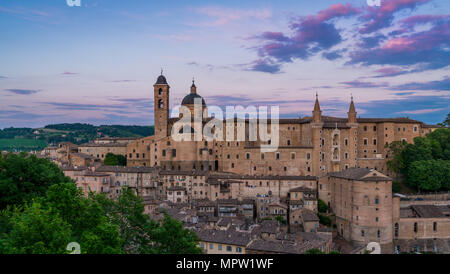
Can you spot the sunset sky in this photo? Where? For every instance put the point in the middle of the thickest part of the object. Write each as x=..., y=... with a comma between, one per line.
x=97, y=63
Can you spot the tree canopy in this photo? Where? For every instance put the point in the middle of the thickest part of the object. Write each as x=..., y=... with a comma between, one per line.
x=43, y=211
x=24, y=177
x=115, y=160
x=425, y=163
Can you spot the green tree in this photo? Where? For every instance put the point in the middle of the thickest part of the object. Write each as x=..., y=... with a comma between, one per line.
x=446, y=122
x=427, y=175
x=141, y=234
x=171, y=238
x=24, y=177
x=322, y=206
x=325, y=220
x=396, y=161
x=90, y=226
x=115, y=160
x=36, y=231
x=314, y=251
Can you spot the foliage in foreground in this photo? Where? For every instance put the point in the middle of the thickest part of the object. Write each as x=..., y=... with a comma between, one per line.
x=42, y=216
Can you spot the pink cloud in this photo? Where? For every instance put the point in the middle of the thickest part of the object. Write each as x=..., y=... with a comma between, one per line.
x=376, y=18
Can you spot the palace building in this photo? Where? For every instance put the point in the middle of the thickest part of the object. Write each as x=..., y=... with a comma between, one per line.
x=308, y=146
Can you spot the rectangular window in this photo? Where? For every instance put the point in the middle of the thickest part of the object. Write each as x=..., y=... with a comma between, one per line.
x=174, y=153
x=229, y=249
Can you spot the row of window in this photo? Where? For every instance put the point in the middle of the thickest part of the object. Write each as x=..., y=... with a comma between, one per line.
x=219, y=247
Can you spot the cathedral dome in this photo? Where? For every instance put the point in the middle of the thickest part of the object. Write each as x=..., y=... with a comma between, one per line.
x=161, y=80
x=189, y=99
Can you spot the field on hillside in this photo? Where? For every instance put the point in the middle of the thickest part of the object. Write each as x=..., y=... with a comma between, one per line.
x=22, y=144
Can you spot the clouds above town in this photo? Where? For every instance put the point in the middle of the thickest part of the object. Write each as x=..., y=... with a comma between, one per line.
x=403, y=45
x=98, y=63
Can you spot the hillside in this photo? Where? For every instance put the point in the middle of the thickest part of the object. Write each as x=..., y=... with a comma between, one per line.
x=28, y=139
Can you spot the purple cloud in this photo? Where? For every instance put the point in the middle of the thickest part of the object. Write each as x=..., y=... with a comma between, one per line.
x=361, y=84
x=376, y=18
x=265, y=65
x=389, y=72
x=69, y=73
x=427, y=49
x=410, y=22
x=22, y=91
x=333, y=55
x=439, y=85
x=312, y=34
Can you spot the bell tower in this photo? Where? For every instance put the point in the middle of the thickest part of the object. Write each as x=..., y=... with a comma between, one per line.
x=161, y=106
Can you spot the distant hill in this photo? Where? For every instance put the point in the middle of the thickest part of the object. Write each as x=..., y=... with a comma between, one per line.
x=28, y=139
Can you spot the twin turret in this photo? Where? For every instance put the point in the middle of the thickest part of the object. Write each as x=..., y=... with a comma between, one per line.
x=317, y=113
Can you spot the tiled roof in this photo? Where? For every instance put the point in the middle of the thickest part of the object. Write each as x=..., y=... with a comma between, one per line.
x=103, y=145
x=224, y=237
x=427, y=211
x=269, y=226
x=356, y=173
x=262, y=177
x=125, y=169
x=302, y=189
x=309, y=215
x=183, y=172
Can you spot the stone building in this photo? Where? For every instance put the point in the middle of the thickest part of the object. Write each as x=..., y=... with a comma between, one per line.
x=308, y=146
x=362, y=202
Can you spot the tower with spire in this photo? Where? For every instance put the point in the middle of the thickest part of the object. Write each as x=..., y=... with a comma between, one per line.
x=351, y=112
x=316, y=126
x=353, y=133
x=317, y=113
x=161, y=106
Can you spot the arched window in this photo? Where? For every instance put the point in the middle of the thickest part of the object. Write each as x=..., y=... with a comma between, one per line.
x=336, y=140
x=160, y=103
x=160, y=91
x=336, y=154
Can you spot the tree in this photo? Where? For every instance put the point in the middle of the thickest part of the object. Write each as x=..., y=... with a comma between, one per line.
x=115, y=160
x=396, y=162
x=314, y=251
x=36, y=231
x=322, y=206
x=171, y=238
x=429, y=175
x=446, y=122
x=142, y=235
x=325, y=220
x=90, y=226
x=24, y=177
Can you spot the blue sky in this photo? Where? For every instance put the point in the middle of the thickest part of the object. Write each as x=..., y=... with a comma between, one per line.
x=97, y=63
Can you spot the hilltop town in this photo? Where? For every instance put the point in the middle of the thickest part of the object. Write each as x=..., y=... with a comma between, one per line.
x=327, y=187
